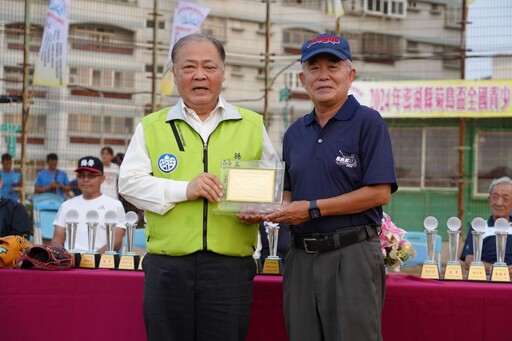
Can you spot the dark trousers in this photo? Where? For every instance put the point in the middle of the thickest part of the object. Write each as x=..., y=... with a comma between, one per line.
x=202, y=296
x=335, y=295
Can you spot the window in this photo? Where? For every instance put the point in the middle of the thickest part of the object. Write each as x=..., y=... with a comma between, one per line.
x=426, y=157
x=36, y=123
x=396, y=8
x=215, y=26
x=96, y=125
x=295, y=37
x=492, y=158
x=161, y=24
x=453, y=16
x=108, y=39
x=382, y=45
x=149, y=68
x=13, y=76
x=292, y=81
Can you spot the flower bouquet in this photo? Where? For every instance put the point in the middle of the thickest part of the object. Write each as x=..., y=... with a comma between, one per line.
x=395, y=249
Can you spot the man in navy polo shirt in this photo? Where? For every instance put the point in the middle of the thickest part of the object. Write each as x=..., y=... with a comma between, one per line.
x=500, y=203
x=339, y=172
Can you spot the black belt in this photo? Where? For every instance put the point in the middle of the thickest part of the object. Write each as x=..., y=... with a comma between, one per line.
x=319, y=242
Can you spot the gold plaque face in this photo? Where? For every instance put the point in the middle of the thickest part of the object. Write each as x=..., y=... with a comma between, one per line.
x=453, y=272
x=107, y=262
x=477, y=273
x=89, y=261
x=129, y=262
x=272, y=267
x=251, y=185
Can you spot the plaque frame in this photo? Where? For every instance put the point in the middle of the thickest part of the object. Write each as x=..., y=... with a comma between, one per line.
x=262, y=196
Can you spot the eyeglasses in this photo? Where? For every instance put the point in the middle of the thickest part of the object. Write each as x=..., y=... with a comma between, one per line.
x=88, y=176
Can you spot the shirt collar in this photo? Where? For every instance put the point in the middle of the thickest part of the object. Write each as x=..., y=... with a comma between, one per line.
x=345, y=113
x=228, y=111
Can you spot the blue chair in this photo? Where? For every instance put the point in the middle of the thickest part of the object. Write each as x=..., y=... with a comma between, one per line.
x=139, y=239
x=45, y=207
x=419, y=243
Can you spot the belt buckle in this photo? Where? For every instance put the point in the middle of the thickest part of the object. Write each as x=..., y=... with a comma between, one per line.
x=304, y=240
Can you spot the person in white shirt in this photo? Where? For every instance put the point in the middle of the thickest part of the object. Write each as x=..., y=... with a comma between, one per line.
x=111, y=172
x=90, y=176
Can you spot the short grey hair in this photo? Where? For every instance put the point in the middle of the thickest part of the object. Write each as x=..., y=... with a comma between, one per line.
x=499, y=181
x=197, y=37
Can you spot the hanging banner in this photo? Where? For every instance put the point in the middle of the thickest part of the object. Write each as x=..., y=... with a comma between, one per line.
x=442, y=98
x=51, y=63
x=188, y=19
x=335, y=8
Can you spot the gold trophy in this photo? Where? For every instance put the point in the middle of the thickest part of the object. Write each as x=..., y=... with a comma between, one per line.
x=477, y=268
x=453, y=269
x=110, y=259
x=72, y=217
x=91, y=258
x=130, y=260
x=273, y=264
x=499, y=270
x=430, y=268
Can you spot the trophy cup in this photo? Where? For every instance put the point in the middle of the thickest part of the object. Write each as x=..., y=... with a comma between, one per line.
x=499, y=271
x=110, y=259
x=476, y=268
x=430, y=268
x=272, y=265
x=71, y=225
x=91, y=258
x=453, y=269
x=130, y=260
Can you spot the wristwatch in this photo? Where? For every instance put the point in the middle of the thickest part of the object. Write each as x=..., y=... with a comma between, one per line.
x=314, y=211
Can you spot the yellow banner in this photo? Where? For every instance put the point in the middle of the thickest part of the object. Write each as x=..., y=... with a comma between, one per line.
x=443, y=98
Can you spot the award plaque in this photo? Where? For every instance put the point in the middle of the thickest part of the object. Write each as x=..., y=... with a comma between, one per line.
x=476, y=268
x=453, y=269
x=499, y=270
x=251, y=186
x=430, y=268
x=273, y=264
x=91, y=258
x=110, y=259
x=72, y=217
x=130, y=260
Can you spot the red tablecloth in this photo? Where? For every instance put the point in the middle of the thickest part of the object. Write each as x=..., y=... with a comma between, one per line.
x=107, y=305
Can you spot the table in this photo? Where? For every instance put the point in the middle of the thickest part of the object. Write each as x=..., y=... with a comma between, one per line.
x=107, y=305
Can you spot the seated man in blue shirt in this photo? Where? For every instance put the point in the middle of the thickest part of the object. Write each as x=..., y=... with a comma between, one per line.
x=500, y=203
x=10, y=179
x=52, y=179
x=14, y=218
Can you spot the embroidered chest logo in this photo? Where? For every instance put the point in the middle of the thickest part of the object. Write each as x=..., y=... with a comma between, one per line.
x=347, y=161
x=167, y=163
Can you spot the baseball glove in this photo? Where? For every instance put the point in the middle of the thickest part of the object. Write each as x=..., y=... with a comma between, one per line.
x=48, y=257
x=11, y=248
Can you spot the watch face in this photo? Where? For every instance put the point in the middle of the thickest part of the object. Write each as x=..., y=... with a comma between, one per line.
x=314, y=213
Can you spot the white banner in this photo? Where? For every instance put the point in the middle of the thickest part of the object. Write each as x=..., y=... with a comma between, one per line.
x=51, y=63
x=188, y=19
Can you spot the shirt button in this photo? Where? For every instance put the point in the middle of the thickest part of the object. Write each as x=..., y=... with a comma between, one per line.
x=319, y=140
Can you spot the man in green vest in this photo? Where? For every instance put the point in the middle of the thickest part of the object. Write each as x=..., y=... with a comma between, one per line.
x=199, y=268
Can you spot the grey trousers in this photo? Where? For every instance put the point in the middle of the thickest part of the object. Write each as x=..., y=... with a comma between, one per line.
x=335, y=295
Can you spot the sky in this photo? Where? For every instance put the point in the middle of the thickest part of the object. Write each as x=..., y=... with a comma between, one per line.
x=489, y=32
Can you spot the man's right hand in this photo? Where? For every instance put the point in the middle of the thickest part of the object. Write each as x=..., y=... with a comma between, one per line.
x=205, y=185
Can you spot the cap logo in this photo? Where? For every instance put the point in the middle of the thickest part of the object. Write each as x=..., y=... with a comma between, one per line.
x=324, y=40
x=87, y=163
x=167, y=163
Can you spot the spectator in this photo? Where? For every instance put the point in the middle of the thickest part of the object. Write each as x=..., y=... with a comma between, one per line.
x=90, y=176
x=199, y=268
x=500, y=204
x=10, y=179
x=52, y=179
x=14, y=219
x=111, y=171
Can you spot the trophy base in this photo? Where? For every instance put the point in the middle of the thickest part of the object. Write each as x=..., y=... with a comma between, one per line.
x=499, y=273
x=129, y=262
x=109, y=261
x=90, y=260
x=453, y=272
x=477, y=273
x=272, y=266
x=430, y=271
x=75, y=256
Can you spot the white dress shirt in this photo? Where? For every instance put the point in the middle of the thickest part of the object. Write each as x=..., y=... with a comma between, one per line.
x=159, y=195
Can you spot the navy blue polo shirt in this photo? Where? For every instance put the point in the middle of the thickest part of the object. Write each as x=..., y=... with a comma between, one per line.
x=351, y=151
x=488, y=246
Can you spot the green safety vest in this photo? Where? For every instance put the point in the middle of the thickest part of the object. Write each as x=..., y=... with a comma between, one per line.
x=181, y=155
